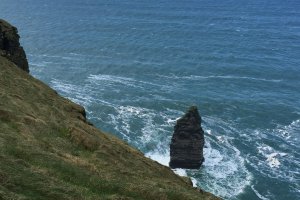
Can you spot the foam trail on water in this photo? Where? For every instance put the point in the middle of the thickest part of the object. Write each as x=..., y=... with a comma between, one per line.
x=258, y=195
x=194, y=78
x=73, y=92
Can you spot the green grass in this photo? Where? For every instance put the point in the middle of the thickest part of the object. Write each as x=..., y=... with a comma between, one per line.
x=49, y=151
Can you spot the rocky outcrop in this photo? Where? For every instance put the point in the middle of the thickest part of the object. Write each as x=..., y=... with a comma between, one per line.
x=10, y=45
x=186, y=149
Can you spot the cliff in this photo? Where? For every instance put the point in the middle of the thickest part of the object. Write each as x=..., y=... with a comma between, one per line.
x=10, y=46
x=48, y=150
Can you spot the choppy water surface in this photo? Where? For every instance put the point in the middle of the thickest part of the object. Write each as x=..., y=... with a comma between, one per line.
x=136, y=66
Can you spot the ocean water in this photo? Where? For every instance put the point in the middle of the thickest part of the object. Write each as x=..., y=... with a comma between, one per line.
x=136, y=66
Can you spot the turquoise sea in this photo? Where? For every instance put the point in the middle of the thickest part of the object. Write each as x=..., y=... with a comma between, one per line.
x=137, y=65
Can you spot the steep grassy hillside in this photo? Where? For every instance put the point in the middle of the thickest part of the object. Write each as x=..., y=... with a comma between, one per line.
x=48, y=150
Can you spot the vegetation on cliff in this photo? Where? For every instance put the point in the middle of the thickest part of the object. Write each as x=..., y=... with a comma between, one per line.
x=48, y=150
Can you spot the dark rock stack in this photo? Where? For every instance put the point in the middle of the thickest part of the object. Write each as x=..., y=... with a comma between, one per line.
x=186, y=149
x=10, y=45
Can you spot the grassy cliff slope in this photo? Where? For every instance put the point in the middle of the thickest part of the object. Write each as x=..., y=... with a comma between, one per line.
x=48, y=150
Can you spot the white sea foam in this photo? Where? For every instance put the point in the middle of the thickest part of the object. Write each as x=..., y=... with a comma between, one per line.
x=78, y=54
x=272, y=160
x=274, y=163
x=38, y=64
x=111, y=80
x=234, y=77
x=43, y=55
x=223, y=171
x=63, y=87
x=194, y=77
x=144, y=118
x=289, y=131
x=272, y=156
x=75, y=93
x=221, y=138
x=105, y=77
x=223, y=168
x=171, y=121
x=180, y=172
x=209, y=132
x=194, y=181
x=164, y=159
x=257, y=194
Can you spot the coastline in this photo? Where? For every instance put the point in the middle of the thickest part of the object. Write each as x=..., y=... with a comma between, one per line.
x=57, y=153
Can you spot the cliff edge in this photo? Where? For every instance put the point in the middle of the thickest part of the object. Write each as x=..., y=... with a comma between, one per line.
x=10, y=46
x=48, y=150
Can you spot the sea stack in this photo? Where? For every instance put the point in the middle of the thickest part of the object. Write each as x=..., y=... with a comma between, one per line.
x=10, y=46
x=186, y=149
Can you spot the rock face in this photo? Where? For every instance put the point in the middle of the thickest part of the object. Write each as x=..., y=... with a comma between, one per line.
x=10, y=45
x=186, y=149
